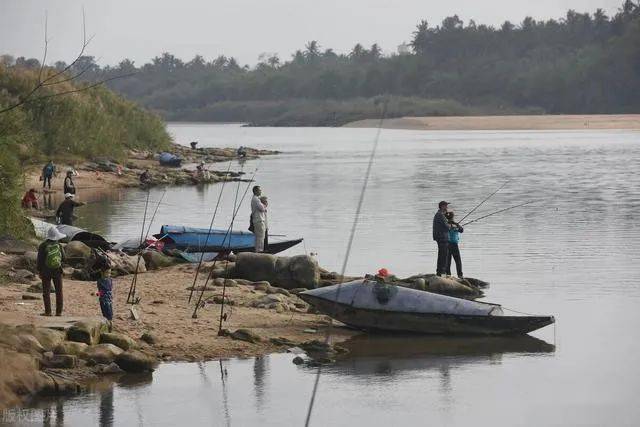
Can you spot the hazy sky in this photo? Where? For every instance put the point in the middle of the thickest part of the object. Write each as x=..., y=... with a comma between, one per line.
x=142, y=29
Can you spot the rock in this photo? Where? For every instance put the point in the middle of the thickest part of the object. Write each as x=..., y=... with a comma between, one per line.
x=101, y=353
x=298, y=360
x=288, y=272
x=30, y=297
x=61, y=361
x=122, y=263
x=449, y=286
x=155, y=260
x=68, y=271
x=21, y=275
x=281, y=308
x=282, y=341
x=136, y=361
x=310, y=331
x=70, y=347
x=230, y=283
x=87, y=331
x=244, y=282
x=36, y=288
x=219, y=281
x=245, y=335
x=283, y=292
x=296, y=291
x=120, y=340
x=217, y=299
x=48, y=338
x=27, y=343
x=300, y=304
x=261, y=286
x=77, y=251
x=111, y=368
x=149, y=338
x=28, y=261
x=11, y=245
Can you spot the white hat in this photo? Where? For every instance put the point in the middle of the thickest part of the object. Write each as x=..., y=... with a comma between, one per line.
x=68, y=196
x=54, y=234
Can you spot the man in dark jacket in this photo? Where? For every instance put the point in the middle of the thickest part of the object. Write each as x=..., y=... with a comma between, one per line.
x=65, y=210
x=49, y=266
x=441, y=235
x=69, y=186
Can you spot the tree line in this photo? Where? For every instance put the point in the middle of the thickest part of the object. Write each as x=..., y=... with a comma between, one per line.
x=581, y=63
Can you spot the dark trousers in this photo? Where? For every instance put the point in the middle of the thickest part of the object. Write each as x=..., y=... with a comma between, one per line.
x=46, y=291
x=454, y=252
x=443, y=255
x=46, y=180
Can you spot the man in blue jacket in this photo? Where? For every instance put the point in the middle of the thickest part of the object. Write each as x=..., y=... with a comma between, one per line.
x=441, y=229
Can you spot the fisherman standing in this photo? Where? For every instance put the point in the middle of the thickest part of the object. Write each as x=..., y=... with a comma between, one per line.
x=64, y=213
x=49, y=266
x=454, y=249
x=47, y=173
x=69, y=186
x=258, y=218
x=441, y=229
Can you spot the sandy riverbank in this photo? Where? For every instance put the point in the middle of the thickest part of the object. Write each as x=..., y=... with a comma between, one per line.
x=541, y=122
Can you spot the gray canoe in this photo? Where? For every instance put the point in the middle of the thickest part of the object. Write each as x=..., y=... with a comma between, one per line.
x=368, y=305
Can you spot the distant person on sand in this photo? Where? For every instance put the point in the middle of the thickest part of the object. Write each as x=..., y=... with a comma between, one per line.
x=258, y=218
x=69, y=186
x=441, y=229
x=47, y=173
x=64, y=213
x=30, y=199
x=454, y=239
x=242, y=152
x=49, y=266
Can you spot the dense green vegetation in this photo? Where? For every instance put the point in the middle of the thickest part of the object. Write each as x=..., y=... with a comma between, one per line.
x=85, y=124
x=582, y=63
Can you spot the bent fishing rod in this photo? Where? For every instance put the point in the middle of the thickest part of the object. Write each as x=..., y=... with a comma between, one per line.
x=497, y=212
x=482, y=202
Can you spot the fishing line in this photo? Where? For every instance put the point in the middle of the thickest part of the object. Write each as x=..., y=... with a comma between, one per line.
x=482, y=202
x=497, y=212
x=347, y=254
x=213, y=217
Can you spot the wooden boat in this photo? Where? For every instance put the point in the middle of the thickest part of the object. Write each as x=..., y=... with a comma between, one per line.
x=190, y=239
x=374, y=306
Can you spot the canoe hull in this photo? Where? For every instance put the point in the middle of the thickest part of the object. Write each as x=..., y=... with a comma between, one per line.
x=427, y=323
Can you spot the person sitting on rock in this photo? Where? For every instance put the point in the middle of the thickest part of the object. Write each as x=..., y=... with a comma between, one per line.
x=30, y=199
x=145, y=177
x=64, y=213
x=453, y=249
x=49, y=266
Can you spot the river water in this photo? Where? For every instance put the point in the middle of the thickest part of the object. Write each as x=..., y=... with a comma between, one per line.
x=573, y=253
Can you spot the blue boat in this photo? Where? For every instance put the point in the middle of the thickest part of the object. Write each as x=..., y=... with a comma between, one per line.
x=191, y=239
x=168, y=159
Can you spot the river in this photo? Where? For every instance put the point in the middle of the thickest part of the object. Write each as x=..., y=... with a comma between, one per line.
x=573, y=253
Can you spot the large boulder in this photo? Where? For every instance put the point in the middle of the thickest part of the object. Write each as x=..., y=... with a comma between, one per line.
x=77, y=251
x=28, y=261
x=299, y=271
x=87, y=331
x=101, y=353
x=48, y=338
x=136, y=361
x=154, y=260
x=122, y=263
x=119, y=340
x=70, y=347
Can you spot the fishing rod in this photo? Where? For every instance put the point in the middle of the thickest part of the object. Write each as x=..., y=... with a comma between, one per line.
x=497, y=212
x=213, y=217
x=482, y=202
x=135, y=274
x=224, y=283
x=131, y=298
x=346, y=258
x=195, y=311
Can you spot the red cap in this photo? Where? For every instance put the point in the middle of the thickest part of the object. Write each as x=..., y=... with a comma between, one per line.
x=383, y=272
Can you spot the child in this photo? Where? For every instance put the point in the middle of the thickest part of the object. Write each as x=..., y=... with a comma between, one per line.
x=102, y=267
x=454, y=250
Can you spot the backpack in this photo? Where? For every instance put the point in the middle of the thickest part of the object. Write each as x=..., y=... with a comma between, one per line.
x=53, y=257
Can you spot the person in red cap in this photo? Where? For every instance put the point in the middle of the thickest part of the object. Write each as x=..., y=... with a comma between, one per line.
x=441, y=229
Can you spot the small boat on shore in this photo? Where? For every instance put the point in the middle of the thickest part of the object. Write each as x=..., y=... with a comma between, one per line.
x=190, y=239
x=374, y=306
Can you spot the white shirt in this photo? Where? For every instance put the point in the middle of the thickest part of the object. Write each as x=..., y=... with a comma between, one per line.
x=258, y=210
